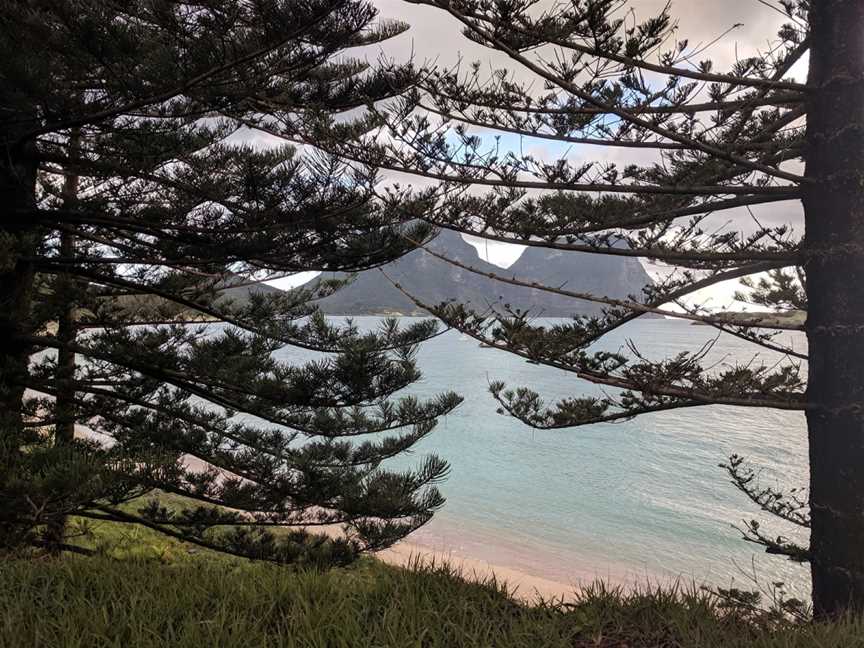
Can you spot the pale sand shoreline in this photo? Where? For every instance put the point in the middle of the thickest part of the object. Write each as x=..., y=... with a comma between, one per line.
x=525, y=586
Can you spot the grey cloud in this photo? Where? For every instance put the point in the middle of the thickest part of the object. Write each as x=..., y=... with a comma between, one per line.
x=435, y=35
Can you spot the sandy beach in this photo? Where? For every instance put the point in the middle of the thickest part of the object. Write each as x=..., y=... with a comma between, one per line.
x=527, y=586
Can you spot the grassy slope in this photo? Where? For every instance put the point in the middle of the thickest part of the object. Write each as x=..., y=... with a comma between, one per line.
x=202, y=603
x=150, y=591
x=135, y=542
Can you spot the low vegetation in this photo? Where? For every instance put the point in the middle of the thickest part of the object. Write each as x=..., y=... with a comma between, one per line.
x=146, y=590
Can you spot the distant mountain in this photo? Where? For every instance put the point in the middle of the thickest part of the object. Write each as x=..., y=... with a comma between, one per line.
x=238, y=289
x=433, y=281
x=148, y=308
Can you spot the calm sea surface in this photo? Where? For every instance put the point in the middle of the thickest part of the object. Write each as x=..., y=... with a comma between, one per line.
x=644, y=499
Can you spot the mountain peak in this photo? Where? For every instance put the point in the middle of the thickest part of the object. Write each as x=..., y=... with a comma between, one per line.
x=434, y=281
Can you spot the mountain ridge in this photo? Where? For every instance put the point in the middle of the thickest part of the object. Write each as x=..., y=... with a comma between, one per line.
x=433, y=281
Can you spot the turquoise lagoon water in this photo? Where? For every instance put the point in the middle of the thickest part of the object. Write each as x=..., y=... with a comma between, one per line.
x=638, y=500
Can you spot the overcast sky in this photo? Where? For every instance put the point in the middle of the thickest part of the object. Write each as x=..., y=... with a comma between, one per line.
x=436, y=37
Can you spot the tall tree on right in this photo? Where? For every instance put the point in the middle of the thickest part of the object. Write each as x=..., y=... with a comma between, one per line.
x=587, y=75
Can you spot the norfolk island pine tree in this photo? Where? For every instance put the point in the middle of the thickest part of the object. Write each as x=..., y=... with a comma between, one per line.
x=135, y=210
x=590, y=75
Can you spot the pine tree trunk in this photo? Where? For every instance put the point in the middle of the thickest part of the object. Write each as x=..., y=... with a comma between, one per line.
x=64, y=407
x=67, y=331
x=834, y=248
x=17, y=239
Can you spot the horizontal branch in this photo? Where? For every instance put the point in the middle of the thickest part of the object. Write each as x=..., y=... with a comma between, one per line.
x=790, y=257
x=63, y=546
x=361, y=154
x=122, y=516
x=726, y=326
x=687, y=108
x=612, y=142
x=203, y=389
x=617, y=381
x=608, y=418
x=627, y=304
x=778, y=193
x=556, y=137
x=709, y=77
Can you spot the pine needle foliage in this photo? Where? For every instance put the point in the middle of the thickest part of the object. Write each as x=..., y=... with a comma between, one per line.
x=142, y=209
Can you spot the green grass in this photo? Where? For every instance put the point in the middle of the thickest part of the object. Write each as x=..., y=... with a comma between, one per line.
x=133, y=541
x=148, y=590
x=91, y=603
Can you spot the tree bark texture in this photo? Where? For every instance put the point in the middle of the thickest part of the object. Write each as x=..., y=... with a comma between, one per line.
x=834, y=256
